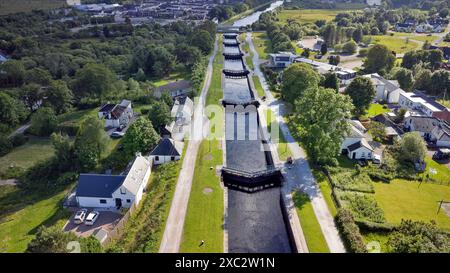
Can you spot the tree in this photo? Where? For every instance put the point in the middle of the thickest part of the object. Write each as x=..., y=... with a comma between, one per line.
x=32, y=95
x=321, y=114
x=159, y=115
x=350, y=47
x=39, y=76
x=59, y=96
x=439, y=83
x=296, y=79
x=91, y=142
x=334, y=59
x=330, y=80
x=358, y=34
x=12, y=111
x=13, y=73
x=423, y=79
x=188, y=55
x=43, y=122
x=412, y=147
x=202, y=40
x=94, y=80
x=377, y=130
x=64, y=151
x=418, y=237
x=379, y=60
x=51, y=240
x=140, y=137
x=362, y=92
x=306, y=53
x=405, y=78
x=323, y=49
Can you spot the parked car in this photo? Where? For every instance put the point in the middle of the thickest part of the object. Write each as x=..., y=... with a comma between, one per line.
x=80, y=216
x=117, y=134
x=318, y=56
x=91, y=218
x=442, y=154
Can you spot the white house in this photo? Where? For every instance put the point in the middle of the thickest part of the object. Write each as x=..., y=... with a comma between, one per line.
x=182, y=111
x=356, y=145
x=116, y=115
x=281, y=59
x=167, y=150
x=430, y=128
x=388, y=91
x=345, y=75
x=420, y=104
x=114, y=191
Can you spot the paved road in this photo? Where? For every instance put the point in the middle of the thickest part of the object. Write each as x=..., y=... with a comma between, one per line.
x=300, y=175
x=173, y=232
x=20, y=130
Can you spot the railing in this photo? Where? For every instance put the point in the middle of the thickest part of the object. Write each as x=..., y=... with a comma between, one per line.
x=235, y=73
x=271, y=170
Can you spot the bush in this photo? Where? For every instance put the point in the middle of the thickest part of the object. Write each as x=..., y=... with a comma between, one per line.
x=144, y=111
x=363, y=52
x=368, y=226
x=19, y=140
x=5, y=145
x=353, y=182
x=364, y=206
x=69, y=128
x=350, y=231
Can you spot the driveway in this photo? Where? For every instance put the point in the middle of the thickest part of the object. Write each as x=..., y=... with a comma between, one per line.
x=106, y=220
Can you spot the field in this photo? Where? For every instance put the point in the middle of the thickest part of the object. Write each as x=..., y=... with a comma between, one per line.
x=27, y=155
x=375, y=109
x=22, y=213
x=412, y=36
x=204, y=217
x=258, y=86
x=13, y=6
x=394, y=43
x=262, y=44
x=402, y=199
x=307, y=15
x=215, y=89
x=310, y=226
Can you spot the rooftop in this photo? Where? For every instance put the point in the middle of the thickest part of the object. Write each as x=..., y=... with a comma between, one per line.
x=426, y=101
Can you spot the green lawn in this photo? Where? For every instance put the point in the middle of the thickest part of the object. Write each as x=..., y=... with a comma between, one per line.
x=304, y=16
x=204, y=218
x=325, y=188
x=175, y=76
x=394, y=43
x=27, y=155
x=402, y=199
x=282, y=146
x=376, y=109
x=262, y=44
x=412, y=36
x=13, y=6
x=215, y=89
x=258, y=86
x=438, y=172
x=376, y=237
x=77, y=117
x=310, y=226
x=22, y=213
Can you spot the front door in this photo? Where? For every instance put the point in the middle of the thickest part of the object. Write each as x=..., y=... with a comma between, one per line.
x=118, y=203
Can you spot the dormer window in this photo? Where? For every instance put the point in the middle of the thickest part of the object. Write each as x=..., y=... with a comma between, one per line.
x=123, y=191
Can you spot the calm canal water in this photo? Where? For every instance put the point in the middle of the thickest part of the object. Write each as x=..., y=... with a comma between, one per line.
x=255, y=16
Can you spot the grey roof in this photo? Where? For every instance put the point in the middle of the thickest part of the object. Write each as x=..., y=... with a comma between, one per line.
x=107, y=107
x=359, y=144
x=166, y=147
x=174, y=86
x=97, y=185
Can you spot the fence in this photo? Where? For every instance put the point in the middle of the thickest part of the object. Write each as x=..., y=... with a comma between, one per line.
x=120, y=226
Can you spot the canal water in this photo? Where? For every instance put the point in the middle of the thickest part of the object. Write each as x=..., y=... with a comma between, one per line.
x=255, y=16
x=255, y=221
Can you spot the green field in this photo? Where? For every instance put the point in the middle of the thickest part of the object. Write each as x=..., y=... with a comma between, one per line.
x=394, y=43
x=402, y=199
x=307, y=15
x=258, y=86
x=436, y=171
x=375, y=109
x=262, y=44
x=282, y=146
x=27, y=155
x=13, y=6
x=310, y=226
x=215, y=89
x=412, y=36
x=204, y=217
x=22, y=213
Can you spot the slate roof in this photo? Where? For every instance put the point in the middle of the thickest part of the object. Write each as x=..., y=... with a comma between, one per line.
x=98, y=185
x=177, y=85
x=117, y=112
x=359, y=144
x=107, y=107
x=167, y=147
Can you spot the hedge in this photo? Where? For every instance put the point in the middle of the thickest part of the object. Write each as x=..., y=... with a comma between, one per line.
x=374, y=227
x=353, y=239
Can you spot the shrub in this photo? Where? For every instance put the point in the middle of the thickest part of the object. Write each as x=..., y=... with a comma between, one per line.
x=5, y=145
x=368, y=226
x=350, y=231
x=69, y=128
x=18, y=140
x=364, y=206
x=354, y=182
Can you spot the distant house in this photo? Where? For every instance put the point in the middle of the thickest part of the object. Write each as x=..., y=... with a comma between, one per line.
x=167, y=150
x=116, y=115
x=182, y=112
x=445, y=51
x=430, y=128
x=386, y=90
x=281, y=59
x=114, y=191
x=430, y=28
x=393, y=131
x=180, y=88
x=420, y=104
x=345, y=75
x=404, y=27
x=356, y=145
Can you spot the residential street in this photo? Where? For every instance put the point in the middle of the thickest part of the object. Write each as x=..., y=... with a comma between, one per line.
x=173, y=232
x=300, y=175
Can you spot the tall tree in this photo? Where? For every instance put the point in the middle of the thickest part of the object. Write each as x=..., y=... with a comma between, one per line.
x=202, y=40
x=412, y=147
x=379, y=60
x=91, y=142
x=94, y=80
x=296, y=79
x=140, y=137
x=321, y=115
x=43, y=122
x=59, y=96
x=330, y=80
x=159, y=115
x=12, y=111
x=405, y=78
x=362, y=93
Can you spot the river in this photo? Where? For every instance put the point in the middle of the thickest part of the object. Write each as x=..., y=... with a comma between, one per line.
x=255, y=16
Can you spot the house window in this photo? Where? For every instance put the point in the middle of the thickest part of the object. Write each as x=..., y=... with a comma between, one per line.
x=157, y=158
x=123, y=191
x=102, y=201
x=172, y=158
x=128, y=201
x=363, y=154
